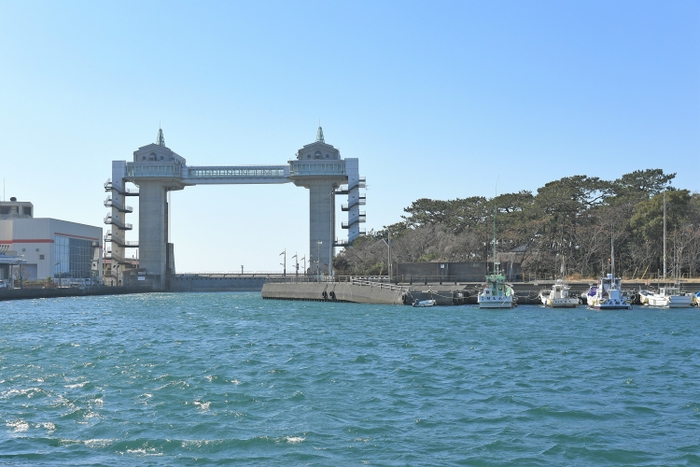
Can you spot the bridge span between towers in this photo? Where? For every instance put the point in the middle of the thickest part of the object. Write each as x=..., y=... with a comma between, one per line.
x=243, y=174
x=156, y=170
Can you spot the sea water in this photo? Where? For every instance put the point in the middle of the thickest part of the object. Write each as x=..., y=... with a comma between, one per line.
x=232, y=379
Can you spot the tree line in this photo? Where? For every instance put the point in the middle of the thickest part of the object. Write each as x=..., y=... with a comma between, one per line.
x=568, y=227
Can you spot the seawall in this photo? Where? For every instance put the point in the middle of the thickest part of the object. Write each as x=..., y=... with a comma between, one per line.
x=353, y=292
x=216, y=283
x=29, y=293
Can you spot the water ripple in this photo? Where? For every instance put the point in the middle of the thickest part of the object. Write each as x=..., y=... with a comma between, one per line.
x=207, y=379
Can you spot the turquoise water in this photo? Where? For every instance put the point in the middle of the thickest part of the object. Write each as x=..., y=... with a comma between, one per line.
x=229, y=378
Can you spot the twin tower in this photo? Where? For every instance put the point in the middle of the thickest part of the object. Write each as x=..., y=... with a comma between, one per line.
x=156, y=170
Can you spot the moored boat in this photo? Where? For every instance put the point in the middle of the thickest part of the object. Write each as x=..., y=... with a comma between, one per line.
x=666, y=297
x=558, y=296
x=422, y=303
x=607, y=295
x=496, y=293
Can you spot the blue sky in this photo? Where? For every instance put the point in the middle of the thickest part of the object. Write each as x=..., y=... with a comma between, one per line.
x=437, y=99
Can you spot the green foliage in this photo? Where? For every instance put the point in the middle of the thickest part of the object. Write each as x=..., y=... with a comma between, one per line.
x=569, y=221
x=639, y=185
x=647, y=220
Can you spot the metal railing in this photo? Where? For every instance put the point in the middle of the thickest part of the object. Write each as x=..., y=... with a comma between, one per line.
x=110, y=220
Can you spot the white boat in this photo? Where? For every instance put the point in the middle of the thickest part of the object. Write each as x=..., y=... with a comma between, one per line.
x=666, y=297
x=496, y=293
x=424, y=303
x=607, y=295
x=558, y=296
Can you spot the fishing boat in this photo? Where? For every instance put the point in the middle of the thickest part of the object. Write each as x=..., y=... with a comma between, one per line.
x=496, y=292
x=607, y=295
x=666, y=297
x=558, y=296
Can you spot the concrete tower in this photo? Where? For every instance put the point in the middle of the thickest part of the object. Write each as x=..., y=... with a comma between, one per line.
x=155, y=170
x=319, y=168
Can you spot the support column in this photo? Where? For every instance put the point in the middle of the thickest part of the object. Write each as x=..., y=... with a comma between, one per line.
x=153, y=231
x=321, y=226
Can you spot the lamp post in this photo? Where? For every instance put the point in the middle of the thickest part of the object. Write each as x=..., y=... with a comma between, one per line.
x=284, y=265
x=296, y=265
x=331, y=228
x=318, y=258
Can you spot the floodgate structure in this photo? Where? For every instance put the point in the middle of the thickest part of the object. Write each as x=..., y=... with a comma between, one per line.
x=156, y=170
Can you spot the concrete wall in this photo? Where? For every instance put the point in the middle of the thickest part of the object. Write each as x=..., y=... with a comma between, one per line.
x=447, y=271
x=342, y=291
x=197, y=283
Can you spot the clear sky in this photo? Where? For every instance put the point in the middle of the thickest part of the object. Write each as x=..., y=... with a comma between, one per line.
x=437, y=99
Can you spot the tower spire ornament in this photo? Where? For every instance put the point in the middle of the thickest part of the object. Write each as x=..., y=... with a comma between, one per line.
x=161, y=138
x=319, y=134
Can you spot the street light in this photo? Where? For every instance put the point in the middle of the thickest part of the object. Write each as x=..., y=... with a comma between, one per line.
x=331, y=227
x=284, y=265
x=318, y=257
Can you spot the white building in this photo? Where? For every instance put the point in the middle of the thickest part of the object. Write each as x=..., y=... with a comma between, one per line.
x=41, y=248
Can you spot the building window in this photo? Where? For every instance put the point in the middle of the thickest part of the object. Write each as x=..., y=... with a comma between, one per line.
x=41, y=257
x=73, y=257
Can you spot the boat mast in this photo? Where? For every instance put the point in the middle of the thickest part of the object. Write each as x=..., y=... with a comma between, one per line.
x=494, y=229
x=612, y=255
x=664, y=234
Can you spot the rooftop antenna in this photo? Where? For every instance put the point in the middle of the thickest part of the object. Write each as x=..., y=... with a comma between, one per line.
x=161, y=138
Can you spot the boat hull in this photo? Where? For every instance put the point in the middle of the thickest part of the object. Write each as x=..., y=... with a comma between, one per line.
x=505, y=301
x=609, y=305
x=673, y=302
x=664, y=299
x=562, y=303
